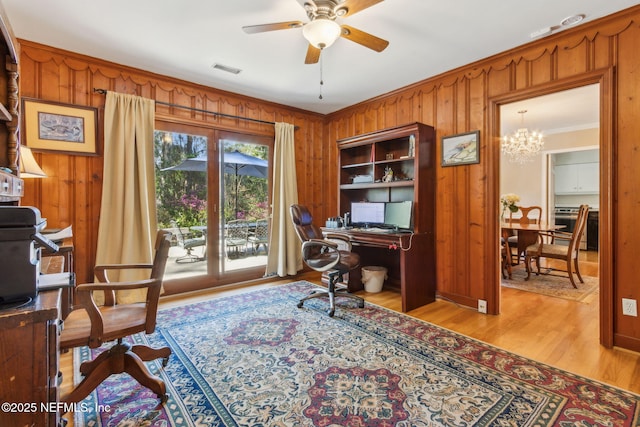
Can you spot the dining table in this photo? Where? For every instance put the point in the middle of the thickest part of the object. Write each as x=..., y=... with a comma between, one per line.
x=528, y=233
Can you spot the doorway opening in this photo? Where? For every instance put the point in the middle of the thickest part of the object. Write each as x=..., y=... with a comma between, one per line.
x=565, y=174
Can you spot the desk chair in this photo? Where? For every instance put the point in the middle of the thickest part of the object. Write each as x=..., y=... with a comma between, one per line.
x=90, y=325
x=322, y=254
x=568, y=253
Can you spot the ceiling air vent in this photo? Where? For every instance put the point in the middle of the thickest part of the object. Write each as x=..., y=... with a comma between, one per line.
x=226, y=68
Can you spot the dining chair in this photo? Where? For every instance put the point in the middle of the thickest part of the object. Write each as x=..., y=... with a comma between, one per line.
x=527, y=215
x=505, y=259
x=566, y=252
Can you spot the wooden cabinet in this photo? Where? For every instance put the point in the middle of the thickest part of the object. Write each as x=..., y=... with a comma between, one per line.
x=577, y=178
x=29, y=362
x=408, y=151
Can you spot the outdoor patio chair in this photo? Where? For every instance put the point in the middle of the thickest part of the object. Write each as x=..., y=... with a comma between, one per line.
x=260, y=236
x=237, y=237
x=188, y=242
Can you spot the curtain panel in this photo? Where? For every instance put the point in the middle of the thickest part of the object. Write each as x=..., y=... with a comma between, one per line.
x=128, y=222
x=285, y=256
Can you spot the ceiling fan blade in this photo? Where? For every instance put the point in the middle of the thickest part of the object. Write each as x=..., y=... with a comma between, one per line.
x=355, y=6
x=313, y=55
x=252, y=29
x=365, y=39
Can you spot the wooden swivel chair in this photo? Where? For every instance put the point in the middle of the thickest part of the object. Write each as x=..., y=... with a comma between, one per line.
x=322, y=254
x=90, y=325
x=567, y=252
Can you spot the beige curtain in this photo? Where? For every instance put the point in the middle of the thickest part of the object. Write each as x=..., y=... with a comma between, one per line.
x=285, y=257
x=127, y=228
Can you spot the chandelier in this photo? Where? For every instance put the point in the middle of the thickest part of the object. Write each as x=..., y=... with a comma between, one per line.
x=522, y=146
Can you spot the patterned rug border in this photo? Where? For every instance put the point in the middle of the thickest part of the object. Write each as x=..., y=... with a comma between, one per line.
x=502, y=361
x=563, y=289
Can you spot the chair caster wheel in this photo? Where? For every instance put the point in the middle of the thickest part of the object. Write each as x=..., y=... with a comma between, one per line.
x=165, y=362
x=331, y=313
x=300, y=304
x=361, y=304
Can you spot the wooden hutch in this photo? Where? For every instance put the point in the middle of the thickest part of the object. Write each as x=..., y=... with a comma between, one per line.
x=409, y=151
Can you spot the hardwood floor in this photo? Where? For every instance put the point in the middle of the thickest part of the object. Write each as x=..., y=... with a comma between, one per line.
x=557, y=332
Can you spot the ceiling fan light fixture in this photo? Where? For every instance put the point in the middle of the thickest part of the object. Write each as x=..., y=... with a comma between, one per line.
x=321, y=32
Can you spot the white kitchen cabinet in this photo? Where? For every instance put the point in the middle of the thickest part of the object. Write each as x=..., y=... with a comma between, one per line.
x=577, y=178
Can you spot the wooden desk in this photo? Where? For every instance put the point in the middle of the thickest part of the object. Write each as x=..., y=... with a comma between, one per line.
x=29, y=361
x=409, y=259
x=527, y=233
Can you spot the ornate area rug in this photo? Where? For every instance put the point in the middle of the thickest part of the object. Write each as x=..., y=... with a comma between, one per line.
x=556, y=284
x=257, y=360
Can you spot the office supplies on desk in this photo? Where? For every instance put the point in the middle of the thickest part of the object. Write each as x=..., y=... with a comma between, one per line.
x=56, y=281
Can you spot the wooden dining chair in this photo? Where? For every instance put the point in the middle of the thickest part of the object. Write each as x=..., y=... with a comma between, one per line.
x=566, y=252
x=528, y=215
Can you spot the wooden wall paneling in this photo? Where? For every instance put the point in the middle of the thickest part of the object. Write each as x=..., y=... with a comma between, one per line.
x=574, y=60
x=571, y=54
x=74, y=193
x=627, y=196
x=500, y=79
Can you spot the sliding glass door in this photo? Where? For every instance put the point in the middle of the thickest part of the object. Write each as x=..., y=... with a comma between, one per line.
x=212, y=190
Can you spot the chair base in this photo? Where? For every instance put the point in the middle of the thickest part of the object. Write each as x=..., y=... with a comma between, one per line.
x=332, y=293
x=189, y=257
x=122, y=357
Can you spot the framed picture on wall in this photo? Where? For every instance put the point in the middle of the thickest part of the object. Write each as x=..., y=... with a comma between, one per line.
x=461, y=149
x=51, y=126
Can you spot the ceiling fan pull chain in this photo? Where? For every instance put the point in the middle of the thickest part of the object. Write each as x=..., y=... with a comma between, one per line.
x=321, y=78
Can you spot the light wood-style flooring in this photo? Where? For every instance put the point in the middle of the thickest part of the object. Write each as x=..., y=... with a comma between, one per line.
x=557, y=332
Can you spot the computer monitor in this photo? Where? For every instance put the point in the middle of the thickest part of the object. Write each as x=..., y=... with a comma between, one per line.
x=398, y=214
x=367, y=213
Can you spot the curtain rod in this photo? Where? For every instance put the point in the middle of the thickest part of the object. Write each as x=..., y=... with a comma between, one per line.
x=199, y=110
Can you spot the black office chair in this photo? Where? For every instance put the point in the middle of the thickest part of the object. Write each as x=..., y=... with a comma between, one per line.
x=323, y=254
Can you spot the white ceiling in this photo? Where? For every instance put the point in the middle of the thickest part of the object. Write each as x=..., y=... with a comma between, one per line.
x=183, y=39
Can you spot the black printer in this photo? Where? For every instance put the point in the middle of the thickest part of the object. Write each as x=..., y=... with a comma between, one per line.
x=20, y=245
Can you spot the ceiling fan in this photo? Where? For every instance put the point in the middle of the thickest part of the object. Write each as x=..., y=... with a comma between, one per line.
x=322, y=29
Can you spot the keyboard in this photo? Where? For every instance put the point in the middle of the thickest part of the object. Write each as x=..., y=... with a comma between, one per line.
x=376, y=230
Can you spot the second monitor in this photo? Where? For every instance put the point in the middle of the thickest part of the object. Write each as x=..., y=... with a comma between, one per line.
x=390, y=214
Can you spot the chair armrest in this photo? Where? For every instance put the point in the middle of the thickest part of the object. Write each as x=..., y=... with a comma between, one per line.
x=118, y=286
x=323, y=242
x=563, y=235
x=100, y=271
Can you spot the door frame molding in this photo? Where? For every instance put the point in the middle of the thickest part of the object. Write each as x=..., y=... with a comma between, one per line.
x=605, y=78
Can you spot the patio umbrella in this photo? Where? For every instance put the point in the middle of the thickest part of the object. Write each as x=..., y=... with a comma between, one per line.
x=235, y=163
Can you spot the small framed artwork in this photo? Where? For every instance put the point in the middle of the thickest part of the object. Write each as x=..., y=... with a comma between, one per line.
x=461, y=149
x=51, y=126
